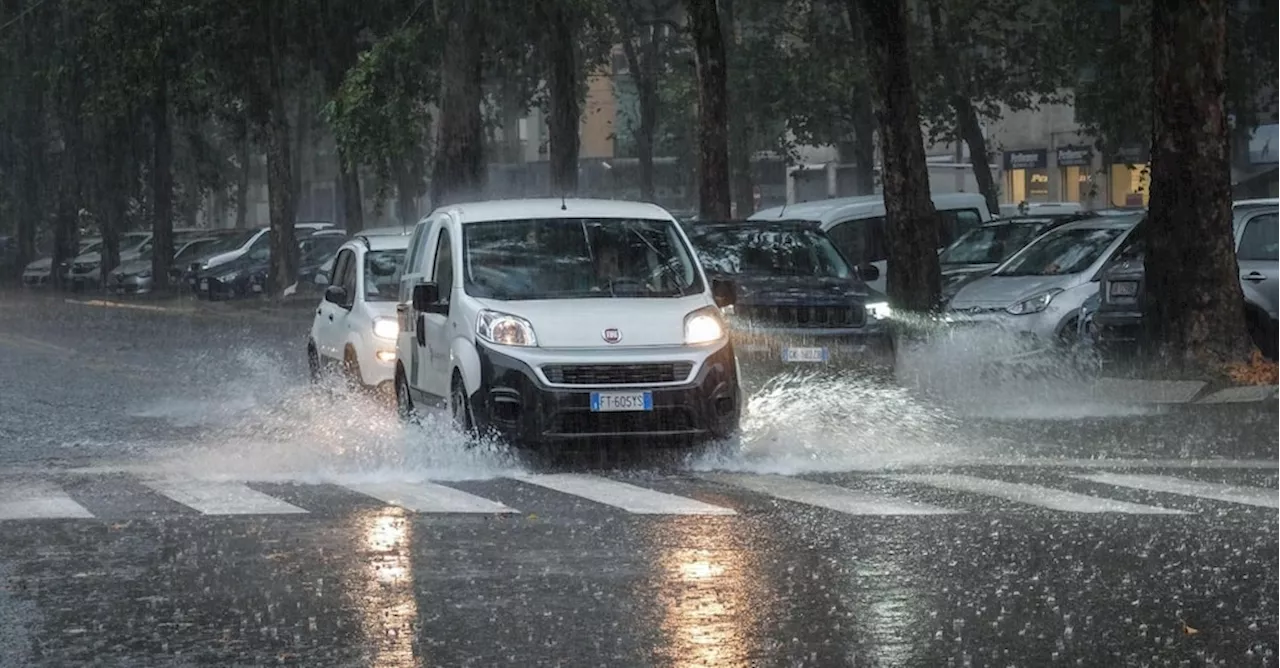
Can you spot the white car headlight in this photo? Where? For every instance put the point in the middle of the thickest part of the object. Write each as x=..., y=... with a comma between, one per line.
x=386, y=328
x=704, y=326
x=879, y=310
x=1034, y=304
x=228, y=278
x=505, y=329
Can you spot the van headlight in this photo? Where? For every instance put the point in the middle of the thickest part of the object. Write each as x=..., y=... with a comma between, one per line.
x=505, y=329
x=703, y=326
x=1034, y=304
x=386, y=328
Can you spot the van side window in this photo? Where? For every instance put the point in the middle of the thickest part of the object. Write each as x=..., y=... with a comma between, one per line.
x=444, y=266
x=349, y=276
x=877, y=241
x=849, y=238
x=1259, y=241
x=341, y=267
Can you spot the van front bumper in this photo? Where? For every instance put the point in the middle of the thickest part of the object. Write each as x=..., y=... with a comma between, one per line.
x=515, y=402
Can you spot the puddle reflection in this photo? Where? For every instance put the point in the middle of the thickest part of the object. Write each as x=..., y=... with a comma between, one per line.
x=385, y=595
x=706, y=586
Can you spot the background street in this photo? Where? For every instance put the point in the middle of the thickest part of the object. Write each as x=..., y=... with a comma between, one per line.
x=173, y=492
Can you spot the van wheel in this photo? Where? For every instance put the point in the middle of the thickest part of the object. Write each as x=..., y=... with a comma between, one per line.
x=351, y=366
x=313, y=363
x=460, y=405
x=404, y=400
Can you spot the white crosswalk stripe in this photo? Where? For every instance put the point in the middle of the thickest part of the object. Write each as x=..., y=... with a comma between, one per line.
x=31, y=500
x=427, y=497
x=1033, y=495
x=831, y=497
x=221, y=498
x=1251, y=496
x=630, y=498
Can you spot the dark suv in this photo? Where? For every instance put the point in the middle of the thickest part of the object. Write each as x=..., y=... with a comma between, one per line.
x=799, y=300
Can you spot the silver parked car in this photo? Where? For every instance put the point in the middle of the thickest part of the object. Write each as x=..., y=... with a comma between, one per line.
x=1039, y=290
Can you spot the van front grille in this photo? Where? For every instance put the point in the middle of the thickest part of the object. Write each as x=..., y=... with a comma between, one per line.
x=617, y=374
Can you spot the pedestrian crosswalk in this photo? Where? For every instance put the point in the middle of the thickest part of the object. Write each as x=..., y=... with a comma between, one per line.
x=890, y=494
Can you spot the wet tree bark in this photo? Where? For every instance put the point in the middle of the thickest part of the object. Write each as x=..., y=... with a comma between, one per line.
x=864, y=144
x=283, y=270
x=741, y=132
x=1194, y=311
x=566, y=100
x=968, y=126
x=407, y=190
x=459, y=170
x=244, y=156
x=913, y=279
x=713, y=112
x=351, y=195
x=161, y=186
x=640, y=46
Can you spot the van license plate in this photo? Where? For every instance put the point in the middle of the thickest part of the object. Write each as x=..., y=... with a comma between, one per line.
x=804, y=355
x=614, y=402
x=204, y=284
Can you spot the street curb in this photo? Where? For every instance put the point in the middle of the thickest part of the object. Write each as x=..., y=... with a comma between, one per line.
x=1166, y=392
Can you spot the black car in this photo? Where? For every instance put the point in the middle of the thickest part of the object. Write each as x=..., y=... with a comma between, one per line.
x=317, y=250
x=236, y=279
x=799, y=300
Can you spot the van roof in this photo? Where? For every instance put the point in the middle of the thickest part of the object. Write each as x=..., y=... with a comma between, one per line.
x=553, y=207
x=381, y=242
x=864, y=205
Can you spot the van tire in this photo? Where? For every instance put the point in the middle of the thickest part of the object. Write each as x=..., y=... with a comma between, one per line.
x=313, y=362
x=404, y=399
x=351, y=367
x=460, y=405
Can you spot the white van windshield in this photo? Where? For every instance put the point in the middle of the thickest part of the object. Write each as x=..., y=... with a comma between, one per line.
x=576, y=258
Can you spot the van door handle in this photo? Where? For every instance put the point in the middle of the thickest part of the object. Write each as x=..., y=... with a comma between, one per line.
x=1254, y=276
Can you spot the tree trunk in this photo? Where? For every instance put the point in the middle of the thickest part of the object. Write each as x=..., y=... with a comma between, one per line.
x=406, y=193
x=459, y=171
x=913, y=279
x=31, y=168
x=713, y=113
x=512, y=111
x=1194, y=311
x=352, y=196
x=283, y=270
x=641, y=62
x=111, y=198
x=566, y=102
x=864, y=143
x=971, y=132
x=741, y=135
x=161, y=187
x=245, y=155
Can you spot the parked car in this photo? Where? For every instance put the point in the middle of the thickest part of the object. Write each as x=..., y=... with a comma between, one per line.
x=85, y=270
x=256, y=240
x=134, y=278
x=798, y=298
x=1039, y=290
x=356, y=326
x=1119, y=316
x=40, y=272
x=980, y=250
x=857, y=224
x=317, y=250
x=552, y=321
x=235, y=278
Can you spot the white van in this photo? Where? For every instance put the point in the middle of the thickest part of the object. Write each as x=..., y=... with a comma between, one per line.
x=856, y=225
x=549, y=321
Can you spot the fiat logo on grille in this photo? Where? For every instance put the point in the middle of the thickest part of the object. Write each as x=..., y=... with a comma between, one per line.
x=612, y=335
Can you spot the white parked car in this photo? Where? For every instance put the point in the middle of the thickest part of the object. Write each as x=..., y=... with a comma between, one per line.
x=558, y=321
x=355, y=325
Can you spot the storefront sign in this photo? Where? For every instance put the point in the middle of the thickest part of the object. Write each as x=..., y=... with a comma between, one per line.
x=1131, y=155
x=1030, y=159
x=1075, y=156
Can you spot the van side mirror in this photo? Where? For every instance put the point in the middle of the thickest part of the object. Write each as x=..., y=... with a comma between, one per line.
x=724, y=292
x=336, y=294
x=868, y=272
x=321, y=279
x=425, y=296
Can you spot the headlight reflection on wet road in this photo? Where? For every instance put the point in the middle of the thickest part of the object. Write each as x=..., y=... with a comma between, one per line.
x=388, y=607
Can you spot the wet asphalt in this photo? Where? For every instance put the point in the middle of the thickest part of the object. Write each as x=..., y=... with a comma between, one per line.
x=855, y=525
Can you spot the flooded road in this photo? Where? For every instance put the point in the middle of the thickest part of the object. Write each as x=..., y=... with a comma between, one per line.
x=174, y=492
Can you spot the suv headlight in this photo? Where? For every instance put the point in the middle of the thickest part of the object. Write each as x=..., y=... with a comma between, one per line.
x=1034, y=304
x=505, y=329
x=386, y=328
x=879, y=310
x=703, y=326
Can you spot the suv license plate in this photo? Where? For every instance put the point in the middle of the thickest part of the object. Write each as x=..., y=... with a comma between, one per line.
x=615, y=402
x=804, y=354
x=1124, y=288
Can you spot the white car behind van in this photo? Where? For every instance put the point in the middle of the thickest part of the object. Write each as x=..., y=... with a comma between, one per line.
x=552, y=321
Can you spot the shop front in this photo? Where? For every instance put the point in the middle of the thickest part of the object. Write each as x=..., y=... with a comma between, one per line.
x=1075, y=169
x=1129, y=176
x=1027, y=175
